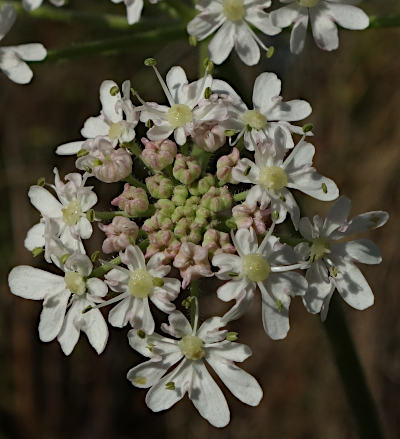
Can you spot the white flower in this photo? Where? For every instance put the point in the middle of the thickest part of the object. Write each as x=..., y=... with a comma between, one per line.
x=323, y=14
x=65, y=217
x=268, y=112
x=182, y=112
x=133, y=9
x=54, y=290
x=31, y=5
x=12, y=57
x=138, y=284
x=234, y=19
x=332, y=262
x=267, y=267
x=273, y=176
x=116, y=122
x=189, y=354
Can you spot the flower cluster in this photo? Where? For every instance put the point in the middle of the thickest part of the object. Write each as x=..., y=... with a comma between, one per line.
x=204, y=193
x=234, y=20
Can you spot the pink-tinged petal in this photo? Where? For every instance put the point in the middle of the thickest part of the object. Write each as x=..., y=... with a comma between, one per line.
x=324, y=30
x=155, y=266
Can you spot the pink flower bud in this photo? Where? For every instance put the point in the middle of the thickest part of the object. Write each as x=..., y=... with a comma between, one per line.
x=133, y=200
x=186, y=169
x=217, y=242
x=247, y=216
x=192, y=261
x=120, y=233
x=164, y=242
x=158, y=155
x=225, y=164
x=208, y=136
x=104, y=162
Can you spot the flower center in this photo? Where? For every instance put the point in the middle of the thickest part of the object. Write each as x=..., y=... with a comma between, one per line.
x=192, y=347
x=116, y=130
x=179, y=115
x=308, y=3
x=233, y=9
x=255, y=267
x=319, y=248
x=75, y=282
x=72, y=213
x=254, y=119
x=273, y=177
x=140, y=283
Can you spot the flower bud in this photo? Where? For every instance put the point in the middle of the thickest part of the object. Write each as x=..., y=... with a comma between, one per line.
x=225, y=164
x=104, y=162
x=203, y=216
x=120, y=233
x=159, y=186
x=208, y=136
x=158, y=155
x=163, y=241
x=247, y=216
x=217, y=199
x=180, y=195
x=192, y=261
x=203, y=185
x=182, y=212
x=133, y=200
x=186, y=169
x=217, y=242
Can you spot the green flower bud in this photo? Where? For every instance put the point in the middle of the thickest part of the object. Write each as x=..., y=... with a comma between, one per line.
x=203, y=185
x=159, y=186
x=180, y=195
x=186, y=169
x=217, y=199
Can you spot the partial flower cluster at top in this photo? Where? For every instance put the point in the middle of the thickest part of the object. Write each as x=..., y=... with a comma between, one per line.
x=204, y=189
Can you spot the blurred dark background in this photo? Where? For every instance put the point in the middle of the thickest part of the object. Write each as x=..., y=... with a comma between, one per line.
x=356, y=99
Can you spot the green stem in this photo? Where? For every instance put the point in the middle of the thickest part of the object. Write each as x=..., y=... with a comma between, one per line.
x=194, y=292
x=382, y=22
x=240, y=196
x=102, y=270
x=351, y=372
x=112, y=214
x=115, y=45
x=135, y=182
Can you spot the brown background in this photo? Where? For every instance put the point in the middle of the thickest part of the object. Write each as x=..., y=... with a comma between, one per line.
x=355, y=97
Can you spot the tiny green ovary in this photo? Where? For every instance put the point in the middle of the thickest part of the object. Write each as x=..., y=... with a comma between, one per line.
x=254, y=119
x=255, y=267
x=191, y=347
x=75, y=282
x=308, y=3
x=273, y=177
x=179, y=115
x=140, y=283
x=233, y=9
x=319, y=248
x=72, y=213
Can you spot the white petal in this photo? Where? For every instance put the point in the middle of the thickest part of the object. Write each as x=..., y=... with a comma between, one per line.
x=230, y=351
x=95, y=126
x=366, y=221
x=7, y=18
x=160, y=132
x=160, y=398
x=231, y=290
x=210, y=331
x=290, y=111
x=109, y=102
x=247, y=241
x=179, y=325
x=70, y=148
x=96, y=287
x=324, y=30
x=155, y=266
x=35, y=237
x=298, y=34
x=134, y=11
x=319, y=287
x=337, y=215
x=85, y=229
x=14, y=67
x=96, y=329
x=52, y=315
x=314, y=184
x=262, y=21
x=222, y=43
x=176, y=79
x=227, y=264
x=246, y=46
x=70, y=331
x=240, y=383
x=352, y=285
x=32, y=283
x=348, y=16
x=207, y=397
x=180, y=136
x=45, y=202
x=133, y=258
x=267, y=86
x=118, y=316
x=284, y=17
x=204, y=24
x=362, y=250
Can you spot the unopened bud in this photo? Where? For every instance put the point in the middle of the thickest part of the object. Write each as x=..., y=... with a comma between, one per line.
x=159, y=186
x=150, y=62
x=232, y=336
